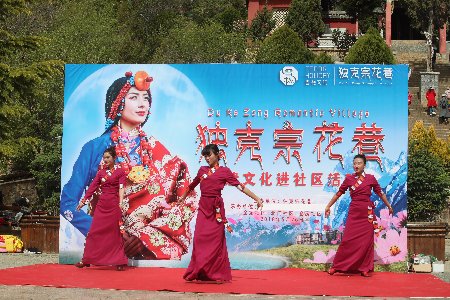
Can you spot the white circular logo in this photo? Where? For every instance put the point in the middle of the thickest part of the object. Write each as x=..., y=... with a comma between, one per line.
x=289, y=75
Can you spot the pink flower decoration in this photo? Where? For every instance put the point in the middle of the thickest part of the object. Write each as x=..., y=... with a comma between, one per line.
x=399, y=219
x=257, y=215
x=321, y=258
x=391, y=249
x=232, y=221
x=294, y=221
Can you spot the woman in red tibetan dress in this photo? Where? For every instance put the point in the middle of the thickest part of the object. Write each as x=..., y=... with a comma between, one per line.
x=209, y=261
x=104, y=242
x=356, y=251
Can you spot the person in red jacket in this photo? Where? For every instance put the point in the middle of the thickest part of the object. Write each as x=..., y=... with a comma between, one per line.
x=431, y=101
x=409, y=100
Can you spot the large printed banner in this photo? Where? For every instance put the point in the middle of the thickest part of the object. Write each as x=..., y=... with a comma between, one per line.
x=288, y=132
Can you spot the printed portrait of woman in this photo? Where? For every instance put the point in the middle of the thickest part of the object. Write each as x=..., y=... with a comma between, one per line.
x=155, y=224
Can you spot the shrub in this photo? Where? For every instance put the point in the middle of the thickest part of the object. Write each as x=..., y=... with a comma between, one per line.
x=428, y=174
x=370, y=49
x=284, y=47
x=323, y=58
x=305, y=18
x=262, y=24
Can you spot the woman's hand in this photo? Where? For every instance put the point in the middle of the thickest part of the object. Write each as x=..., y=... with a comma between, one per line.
x=181, y=199
x=327, y=211
x=259, y=204
x=391, y=210
x=80, y=205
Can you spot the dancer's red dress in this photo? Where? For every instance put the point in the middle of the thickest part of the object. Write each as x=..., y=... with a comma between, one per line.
x=104, y=243
x=209, y=259
x=356, y=251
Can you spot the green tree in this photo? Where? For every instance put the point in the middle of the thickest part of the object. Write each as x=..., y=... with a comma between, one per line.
x=323, y=58
x=84, y=31
x=188, y=42
x=144, y=23
x=225, y=12
x=428, y=16
x=262, y=24
x=370, y=49
x=428, y=186
x=428, y=173
x=284, y=47
x=46, y=169
x=23, y=84
x=305, y=18
x=361, y=9
x=343, y=41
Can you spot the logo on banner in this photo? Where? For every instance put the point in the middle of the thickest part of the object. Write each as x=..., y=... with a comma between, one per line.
x=289, y=75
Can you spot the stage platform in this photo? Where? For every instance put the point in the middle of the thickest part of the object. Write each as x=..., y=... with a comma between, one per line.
x=287, y=281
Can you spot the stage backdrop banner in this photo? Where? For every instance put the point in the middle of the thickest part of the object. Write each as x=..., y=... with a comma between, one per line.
x=288, y=132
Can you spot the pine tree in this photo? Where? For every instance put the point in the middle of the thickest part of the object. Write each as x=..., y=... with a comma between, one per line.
x=284, y=47
x=22, y=85
x=370, y=49
x=428, y=16
x=262, y=24
x=305, y=18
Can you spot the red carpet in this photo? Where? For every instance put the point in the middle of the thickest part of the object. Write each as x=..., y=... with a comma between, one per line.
x=276, y=282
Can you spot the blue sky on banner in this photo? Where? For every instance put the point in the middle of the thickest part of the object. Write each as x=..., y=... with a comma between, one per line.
x=185, y=96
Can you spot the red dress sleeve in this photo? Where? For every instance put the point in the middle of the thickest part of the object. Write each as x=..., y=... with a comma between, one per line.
x=196, y=180
x=376, y=187
x=230, y=178
x=122, y=178
x=94, y=185
x=345, y=185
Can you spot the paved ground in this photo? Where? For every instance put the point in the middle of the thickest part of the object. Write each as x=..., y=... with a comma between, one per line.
x=32, y=292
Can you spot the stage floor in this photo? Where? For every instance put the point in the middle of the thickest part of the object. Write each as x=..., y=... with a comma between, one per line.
x=287, y=281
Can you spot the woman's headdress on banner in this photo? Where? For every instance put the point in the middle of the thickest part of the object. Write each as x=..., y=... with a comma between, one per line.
x=115, y=96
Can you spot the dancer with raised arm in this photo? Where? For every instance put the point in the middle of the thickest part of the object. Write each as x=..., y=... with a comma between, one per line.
x=104, y=243
x=209, y=261
x=356, y=251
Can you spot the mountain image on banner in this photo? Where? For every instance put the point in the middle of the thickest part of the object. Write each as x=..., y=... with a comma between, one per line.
x=251, y=234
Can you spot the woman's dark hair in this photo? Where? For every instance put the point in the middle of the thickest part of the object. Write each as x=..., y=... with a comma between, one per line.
x=112, y=151
x=362, y=156
x=113, y=92
x=210, y=148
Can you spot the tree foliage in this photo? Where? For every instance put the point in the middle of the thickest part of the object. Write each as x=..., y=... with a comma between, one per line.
x=343, y=41
x=144, y=23
x=22, y=86
x=425, y=12
x=305, y=18
x=323, y=58
x=225, y=12
x=370, y=49
x=188, y=42
x=360, y=8
x=262, y=24
x=85, y=32
x=423, y=138
x=428, y=174
x=284, y=47
x=428, y=16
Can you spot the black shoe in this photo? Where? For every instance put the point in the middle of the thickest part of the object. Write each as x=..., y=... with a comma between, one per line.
x=120, y=268
x=81, y=265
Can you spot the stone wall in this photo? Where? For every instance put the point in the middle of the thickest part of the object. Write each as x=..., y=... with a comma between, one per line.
x=12, y=190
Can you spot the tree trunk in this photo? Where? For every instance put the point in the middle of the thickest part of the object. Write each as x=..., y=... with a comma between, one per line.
x=430, y=43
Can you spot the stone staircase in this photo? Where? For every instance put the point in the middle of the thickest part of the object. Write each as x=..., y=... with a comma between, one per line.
x=414, y=54
x=416, y=110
